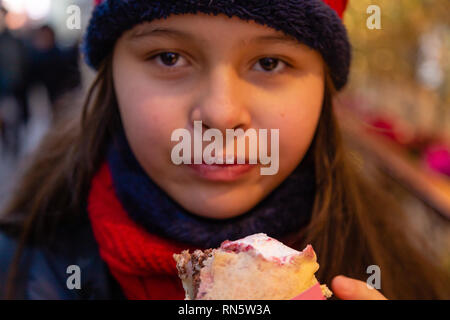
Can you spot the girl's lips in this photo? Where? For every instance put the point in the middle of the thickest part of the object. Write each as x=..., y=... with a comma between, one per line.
x=223, y=172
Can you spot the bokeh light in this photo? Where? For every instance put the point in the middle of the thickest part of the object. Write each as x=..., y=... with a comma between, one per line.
x=34, y=9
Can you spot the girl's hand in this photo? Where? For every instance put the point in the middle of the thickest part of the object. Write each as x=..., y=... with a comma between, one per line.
x=350, y=289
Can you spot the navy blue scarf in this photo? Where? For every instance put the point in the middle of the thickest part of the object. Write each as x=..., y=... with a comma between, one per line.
x=285, y=210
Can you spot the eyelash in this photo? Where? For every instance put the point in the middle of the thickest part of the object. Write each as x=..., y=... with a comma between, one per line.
x=173, y=69
x=155, y=56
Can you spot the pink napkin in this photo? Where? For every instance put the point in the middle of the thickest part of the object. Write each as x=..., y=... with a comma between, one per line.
x=313, y=293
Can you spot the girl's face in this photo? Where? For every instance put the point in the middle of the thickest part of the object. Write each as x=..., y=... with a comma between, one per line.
x=229, y=74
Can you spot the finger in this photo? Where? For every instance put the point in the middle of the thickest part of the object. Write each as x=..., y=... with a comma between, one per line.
x=351, y=289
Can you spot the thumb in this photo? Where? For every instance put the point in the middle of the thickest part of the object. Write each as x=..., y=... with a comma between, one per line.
x=351, y=289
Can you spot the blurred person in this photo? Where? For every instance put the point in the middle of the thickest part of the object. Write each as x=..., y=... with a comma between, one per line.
x=102, y=192
x=56, y=68
x=13, y=85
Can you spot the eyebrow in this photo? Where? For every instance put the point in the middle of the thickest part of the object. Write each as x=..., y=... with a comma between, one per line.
x=181, y=35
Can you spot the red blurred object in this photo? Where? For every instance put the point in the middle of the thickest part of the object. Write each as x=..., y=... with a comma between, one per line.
x=384, y=127
x=437, y=158
x=338, y=5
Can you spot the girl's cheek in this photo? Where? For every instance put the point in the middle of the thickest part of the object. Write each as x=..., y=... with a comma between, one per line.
x=295, y=138
x=147, y=109
x=297, y=123
x=149, y=120
x=153, y=121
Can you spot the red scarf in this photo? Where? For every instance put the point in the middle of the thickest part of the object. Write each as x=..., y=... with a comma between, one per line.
x=141, y=262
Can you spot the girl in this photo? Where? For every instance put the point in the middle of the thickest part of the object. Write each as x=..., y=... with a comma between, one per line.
x=103, y=196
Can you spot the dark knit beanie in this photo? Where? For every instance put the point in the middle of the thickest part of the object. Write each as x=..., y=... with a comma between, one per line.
x=315, y=23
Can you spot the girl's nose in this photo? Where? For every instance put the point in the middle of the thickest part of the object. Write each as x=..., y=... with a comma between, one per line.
x=222, y=104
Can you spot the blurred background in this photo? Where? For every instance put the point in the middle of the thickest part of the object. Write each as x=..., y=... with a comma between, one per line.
x=395, y=112
x=41, y=73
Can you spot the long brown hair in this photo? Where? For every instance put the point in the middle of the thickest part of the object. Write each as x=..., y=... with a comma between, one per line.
x=353, y=224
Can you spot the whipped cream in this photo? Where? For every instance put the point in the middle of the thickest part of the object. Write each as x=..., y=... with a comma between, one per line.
x=269, y=248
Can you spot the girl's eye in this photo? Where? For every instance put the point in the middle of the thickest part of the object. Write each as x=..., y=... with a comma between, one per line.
x=168, y=59
x=272, y=65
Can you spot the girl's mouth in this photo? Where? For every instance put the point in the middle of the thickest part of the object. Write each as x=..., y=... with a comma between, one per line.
x=221, y=172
